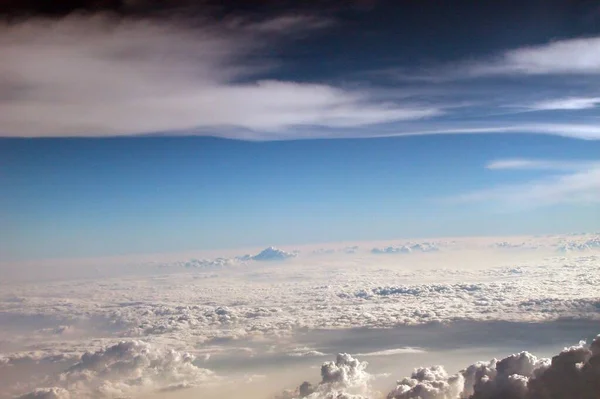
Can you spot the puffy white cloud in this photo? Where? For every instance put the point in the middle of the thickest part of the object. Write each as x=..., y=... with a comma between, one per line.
x=344, y=378
x=573, y=373
x=126, y=368
x=429, y=383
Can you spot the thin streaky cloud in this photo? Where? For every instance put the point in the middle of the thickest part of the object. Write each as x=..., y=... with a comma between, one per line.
x=285, y=24
x=571, y=56
x=579, y=186
x=581, y=131
x=569, y=103
x=541, y=164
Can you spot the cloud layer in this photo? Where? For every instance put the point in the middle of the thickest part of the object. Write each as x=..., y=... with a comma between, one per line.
x=100, y=75
x=165, y=328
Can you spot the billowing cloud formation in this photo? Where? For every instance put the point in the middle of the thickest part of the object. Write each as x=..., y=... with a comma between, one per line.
x=573, y=373
x=98, y=76
x=346, y=378
x=126, y=368
x=429, y=383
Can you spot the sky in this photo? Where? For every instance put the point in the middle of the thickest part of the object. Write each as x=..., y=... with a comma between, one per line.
x=139, y=127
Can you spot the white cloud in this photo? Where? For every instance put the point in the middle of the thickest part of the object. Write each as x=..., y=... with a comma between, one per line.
x=346, y=378
x=224, y=313
x=391, y=352
x=568, y=103
x=570, y=56
x=127, y=368
x=541, y=164
x=580, y=185
x=98, y=76
x=429, y=382
x=573, y=373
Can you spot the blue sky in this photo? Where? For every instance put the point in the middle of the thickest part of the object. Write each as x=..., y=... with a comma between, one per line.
x=355, y=124
x=93, y=197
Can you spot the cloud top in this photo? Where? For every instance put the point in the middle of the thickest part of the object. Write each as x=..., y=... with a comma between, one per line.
x=573, y=373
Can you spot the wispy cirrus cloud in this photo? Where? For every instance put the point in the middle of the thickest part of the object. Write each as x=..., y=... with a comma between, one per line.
x=541, y=164
x=101, y=76
x=569, y=103
x=570, y=182
x=570, y=56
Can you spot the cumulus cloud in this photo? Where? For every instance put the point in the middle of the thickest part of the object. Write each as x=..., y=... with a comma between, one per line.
x=127, y=368
x=573, y=373
x=428, y=383
x=99, y=76
x=344, y=378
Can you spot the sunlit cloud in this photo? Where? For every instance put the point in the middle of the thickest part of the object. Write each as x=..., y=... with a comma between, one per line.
x=96, y=76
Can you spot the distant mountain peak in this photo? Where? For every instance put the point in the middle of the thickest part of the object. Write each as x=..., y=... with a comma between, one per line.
x=272, y=253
